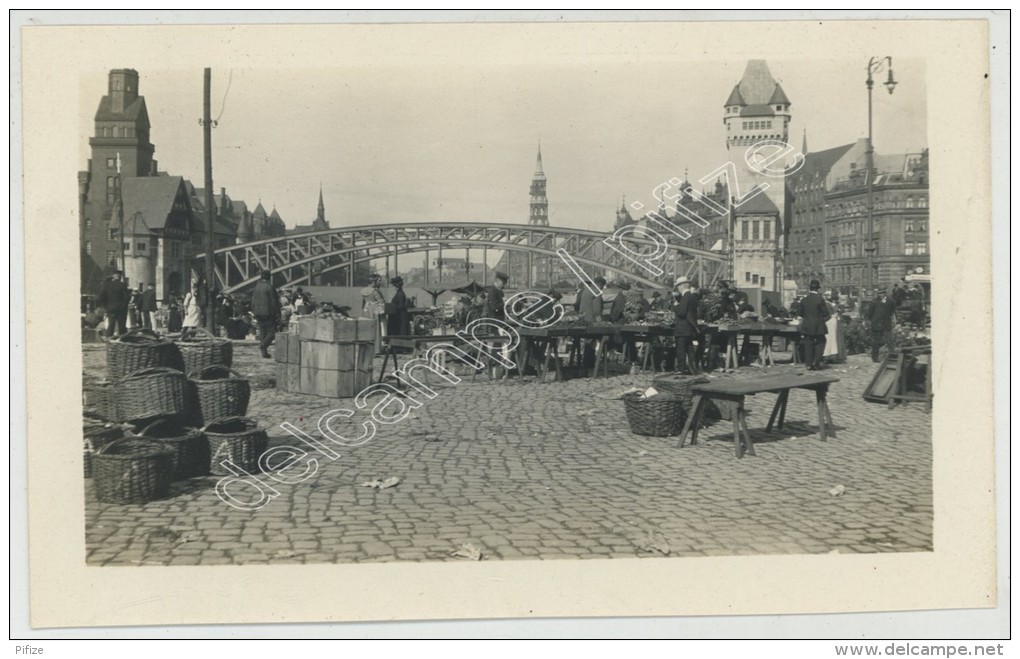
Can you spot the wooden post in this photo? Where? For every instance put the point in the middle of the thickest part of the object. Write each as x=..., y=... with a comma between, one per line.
x=210, y=275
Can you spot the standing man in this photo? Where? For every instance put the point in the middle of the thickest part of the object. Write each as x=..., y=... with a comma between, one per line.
x=147, y=307
x=114, y=298
x=591, y=310
x=814, y=315
x=265, y=306
x=493, y=307
x=882, y=315
x=685, y=307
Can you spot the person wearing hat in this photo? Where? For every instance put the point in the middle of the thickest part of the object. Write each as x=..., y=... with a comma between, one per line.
x=685, y=308
x=114, y=298
x=494, y=298
x=398, y=318
x=148, y=307
x=591, y=304
x=814, y=314
x=882, y=317
x=373, y=305
x=265, y=306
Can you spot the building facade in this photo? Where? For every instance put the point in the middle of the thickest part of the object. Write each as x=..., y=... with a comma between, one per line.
x=756, y=113
x=900, y=223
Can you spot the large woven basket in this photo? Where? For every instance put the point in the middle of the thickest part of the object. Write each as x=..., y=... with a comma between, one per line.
x=237, y=440
x=100, y=399
x=139, y=349
x=188, y=446
x=96, y=436
x=678, y=384
x=660, y=415
x=200, y=349
x=219, y=393
x=132, y=470
x=150, y=393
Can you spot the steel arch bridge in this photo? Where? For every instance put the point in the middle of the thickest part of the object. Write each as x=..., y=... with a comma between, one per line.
x=294, y=256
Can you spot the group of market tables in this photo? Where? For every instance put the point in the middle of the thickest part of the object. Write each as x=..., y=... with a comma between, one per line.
x=545, y=343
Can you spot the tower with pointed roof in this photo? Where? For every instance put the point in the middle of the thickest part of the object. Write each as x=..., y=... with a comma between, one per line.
x=757, y=112
x=539, y=202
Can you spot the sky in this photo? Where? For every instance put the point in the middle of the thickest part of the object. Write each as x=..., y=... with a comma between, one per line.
x=420, y=143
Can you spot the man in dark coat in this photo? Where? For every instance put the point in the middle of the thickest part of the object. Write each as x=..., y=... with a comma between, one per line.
x=814, y=314
x=882, y=315
x=114, y=298
x=685, y=308
x=494, y=298
x=591, y=304
x=147, y=307
x=265, y=306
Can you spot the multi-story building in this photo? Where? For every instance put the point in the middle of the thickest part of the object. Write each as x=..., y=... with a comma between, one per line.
x=900, y=223
x=757, y=112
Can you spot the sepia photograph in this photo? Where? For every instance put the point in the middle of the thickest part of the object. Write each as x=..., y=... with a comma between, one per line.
x=488, y=299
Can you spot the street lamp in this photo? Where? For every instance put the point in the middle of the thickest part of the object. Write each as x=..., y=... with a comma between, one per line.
x=875, y=65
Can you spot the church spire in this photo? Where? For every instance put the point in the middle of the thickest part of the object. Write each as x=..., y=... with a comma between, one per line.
x=538, y=163
x=539, y=215
x=321, y=215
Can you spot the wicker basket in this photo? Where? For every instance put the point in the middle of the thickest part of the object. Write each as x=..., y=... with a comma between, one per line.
x=151, y=392
x=132, y=470
x=219, y=393
x=660, y=415
x=238, y=440
x=200, y=349
x=96, y=436
x=680, y=385
x=99, y=399
x=188, y=446
x=137, y=350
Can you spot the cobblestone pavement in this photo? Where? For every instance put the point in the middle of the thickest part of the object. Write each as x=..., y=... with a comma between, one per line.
x=530, y=470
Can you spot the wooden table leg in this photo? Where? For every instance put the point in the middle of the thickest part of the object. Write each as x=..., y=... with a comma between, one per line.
x=823, y=421
x=782, y=410
x=737, y=443
x=748, y=444
x=385, y=363
x=824, y=393
x=780, y=404
x=693, y=420
x=556, y=359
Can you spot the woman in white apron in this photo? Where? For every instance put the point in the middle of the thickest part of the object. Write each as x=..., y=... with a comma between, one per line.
x=192, y=309
x=834, y=346
x=373, y=305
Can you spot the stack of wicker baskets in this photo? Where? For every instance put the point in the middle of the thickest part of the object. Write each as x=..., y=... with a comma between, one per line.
x=200, y=349
x=238, y=440
x=132, y=470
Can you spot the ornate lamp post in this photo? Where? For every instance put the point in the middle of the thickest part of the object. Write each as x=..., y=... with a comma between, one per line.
x=875, y=65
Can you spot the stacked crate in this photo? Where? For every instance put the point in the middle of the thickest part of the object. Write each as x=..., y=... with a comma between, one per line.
x=329, y=357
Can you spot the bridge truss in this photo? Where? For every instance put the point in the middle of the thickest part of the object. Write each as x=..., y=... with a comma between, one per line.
x=297, y=259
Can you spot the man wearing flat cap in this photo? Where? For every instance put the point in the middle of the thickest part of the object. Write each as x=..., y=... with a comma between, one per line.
x=685, y=308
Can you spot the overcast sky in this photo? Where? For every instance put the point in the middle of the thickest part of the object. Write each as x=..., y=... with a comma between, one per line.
x=418, y=144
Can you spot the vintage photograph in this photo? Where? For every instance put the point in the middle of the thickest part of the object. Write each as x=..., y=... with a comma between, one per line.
x=502, y=313
x=490, y=320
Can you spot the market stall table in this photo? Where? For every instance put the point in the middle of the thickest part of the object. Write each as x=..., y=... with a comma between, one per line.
x=734, y=391
x=768, y=331
x=417, y=344
x=650, y=335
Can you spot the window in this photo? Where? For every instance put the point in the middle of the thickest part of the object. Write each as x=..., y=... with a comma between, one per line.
x=922, y=226
x=111, y=256
x=922, y=248
x=754, y=279
x=116, y=131
x=908, y=249
x=910, y=201
x=747, y=276
x=127, y=246
x=111, y=234
x=767, y=230
x=142, y=247
x=908, y=227
x=922, y=202
x=88, y=223
x=755, y=232
x=175, y=249
x=88, y=247
x=111, y=163
x=743, y=230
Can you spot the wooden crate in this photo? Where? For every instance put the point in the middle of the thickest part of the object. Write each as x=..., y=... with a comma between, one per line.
x=331, y=383
x=280, y=350
x=337, y=356
x=313, y=328
x=294, y=350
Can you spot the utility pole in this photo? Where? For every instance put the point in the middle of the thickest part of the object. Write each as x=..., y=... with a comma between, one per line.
x=210, y=212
